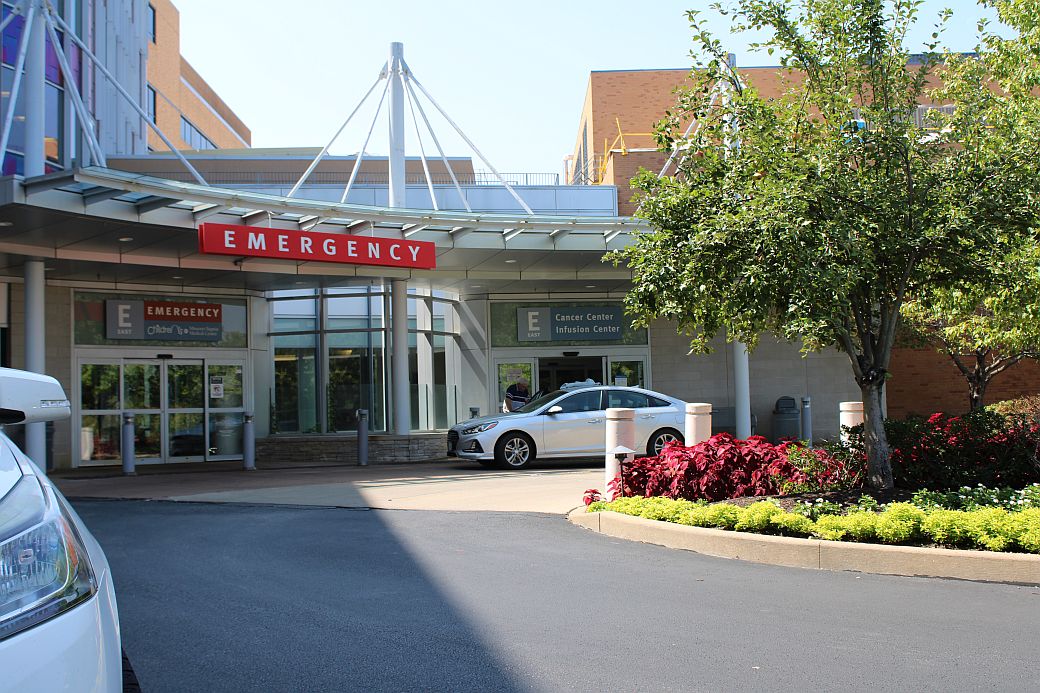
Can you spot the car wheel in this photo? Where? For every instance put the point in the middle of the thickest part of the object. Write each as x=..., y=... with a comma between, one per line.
x=658, y=440
x=514, y=450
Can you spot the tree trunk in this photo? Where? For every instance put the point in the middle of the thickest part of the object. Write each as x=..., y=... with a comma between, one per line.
x=879, y=464
x=976, y=391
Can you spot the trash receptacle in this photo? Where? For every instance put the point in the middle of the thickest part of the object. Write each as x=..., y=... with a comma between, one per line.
x=787, y=420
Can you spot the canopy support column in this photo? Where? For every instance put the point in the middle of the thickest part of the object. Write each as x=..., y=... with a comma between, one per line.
x=399, y=356
x=35, y=350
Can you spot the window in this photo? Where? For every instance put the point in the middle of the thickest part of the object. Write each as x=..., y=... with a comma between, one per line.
x=657, y=402
x=149, y=17
x=624, y=398
x=193, y=137
x=150, y=105
x=581, y=401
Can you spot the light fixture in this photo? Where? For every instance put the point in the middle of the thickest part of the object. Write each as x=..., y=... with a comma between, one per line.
x=5, y=224
x=176, y=276
x=510, y=262
x=590, y=286
x=125, y=239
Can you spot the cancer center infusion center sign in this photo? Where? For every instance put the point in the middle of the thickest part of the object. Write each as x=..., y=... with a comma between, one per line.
x=285, y=244
x=549, y=323
x=163, y=321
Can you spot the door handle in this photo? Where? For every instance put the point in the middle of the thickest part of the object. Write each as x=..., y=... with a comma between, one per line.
x=594, y=421
x=648, y=416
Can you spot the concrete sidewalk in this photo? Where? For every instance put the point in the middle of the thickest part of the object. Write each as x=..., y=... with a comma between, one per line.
x=452, y=485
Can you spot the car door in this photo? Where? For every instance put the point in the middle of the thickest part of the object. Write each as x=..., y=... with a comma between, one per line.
x=645, y=416
x=578, y=429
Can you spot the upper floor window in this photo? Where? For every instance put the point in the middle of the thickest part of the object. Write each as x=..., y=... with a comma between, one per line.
x=150, y=19
x=150, y=103
x=193, y=137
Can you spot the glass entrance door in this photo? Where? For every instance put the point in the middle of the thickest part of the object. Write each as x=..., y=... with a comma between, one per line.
x=185, y=410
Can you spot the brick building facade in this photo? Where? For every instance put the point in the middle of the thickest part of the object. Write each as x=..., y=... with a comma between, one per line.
x=615, y=141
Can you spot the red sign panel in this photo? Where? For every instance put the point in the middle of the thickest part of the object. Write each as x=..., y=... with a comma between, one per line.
x=282, y=244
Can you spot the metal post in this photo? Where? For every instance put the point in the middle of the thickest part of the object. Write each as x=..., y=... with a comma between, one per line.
x=850, y=415
x=399, y=356
x=395, y=70
x=35, y=101
x=248, y=442
x=362, y=437
x=742, y=390
x=698, y=423
x=621, y=433
x=35, y=350
x=126, y=445
x=807, y=420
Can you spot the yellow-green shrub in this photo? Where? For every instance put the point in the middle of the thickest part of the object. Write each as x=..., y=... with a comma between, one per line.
x=791, y=524
x=899, y=523
x=755, y=517
x=949, y=527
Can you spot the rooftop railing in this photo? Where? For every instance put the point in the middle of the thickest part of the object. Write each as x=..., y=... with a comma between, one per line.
x=481, y=178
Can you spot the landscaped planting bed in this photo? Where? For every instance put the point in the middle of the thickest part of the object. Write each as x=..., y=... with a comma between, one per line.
x=986, y=528
x=820, y=492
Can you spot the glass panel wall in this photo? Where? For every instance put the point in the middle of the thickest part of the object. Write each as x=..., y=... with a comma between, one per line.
x=330, y=358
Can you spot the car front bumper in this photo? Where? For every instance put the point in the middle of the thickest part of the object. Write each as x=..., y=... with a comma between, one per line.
x=78, y=650
x=480, y=446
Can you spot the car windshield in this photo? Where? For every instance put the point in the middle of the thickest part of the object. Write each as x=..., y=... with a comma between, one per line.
x=534, y=404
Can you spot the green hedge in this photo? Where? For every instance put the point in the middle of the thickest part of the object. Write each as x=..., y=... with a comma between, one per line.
x=990, y=529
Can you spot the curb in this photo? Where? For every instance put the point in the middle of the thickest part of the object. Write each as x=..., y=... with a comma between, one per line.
x=819, y=554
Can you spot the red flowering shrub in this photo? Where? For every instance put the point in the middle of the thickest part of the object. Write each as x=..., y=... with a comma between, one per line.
x=723, y=467
x=944, y=452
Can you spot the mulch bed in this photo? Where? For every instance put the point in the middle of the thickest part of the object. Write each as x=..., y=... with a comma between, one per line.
x=843, y=498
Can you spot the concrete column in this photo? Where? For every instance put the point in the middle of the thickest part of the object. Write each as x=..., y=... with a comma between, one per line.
x=850, y=414
x=741, y=390
x=35, y=350
x=399, y=356
x=698, y=423
x=621, y=433
x=34, y=95
x=397, y=160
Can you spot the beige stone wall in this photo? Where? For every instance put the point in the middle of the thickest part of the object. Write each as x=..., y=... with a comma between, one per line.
x=777, y=369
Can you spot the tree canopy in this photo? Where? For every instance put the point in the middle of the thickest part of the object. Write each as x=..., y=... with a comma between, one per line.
x=816, y=214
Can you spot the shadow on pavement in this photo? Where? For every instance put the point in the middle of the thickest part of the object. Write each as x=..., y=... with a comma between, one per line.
x=237, y=598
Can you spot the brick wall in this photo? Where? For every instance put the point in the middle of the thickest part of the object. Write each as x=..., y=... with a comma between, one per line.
x=924, y=381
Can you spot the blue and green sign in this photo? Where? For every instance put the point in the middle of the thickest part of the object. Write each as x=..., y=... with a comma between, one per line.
x=569, y=323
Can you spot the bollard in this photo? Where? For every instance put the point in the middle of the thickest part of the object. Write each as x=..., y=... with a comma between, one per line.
x=474, y=412
x=248, y=443
x=621, y=433
x=126, y=445
x=698, y=423
x=807, y=420
x=850, y=414
x=362, y=437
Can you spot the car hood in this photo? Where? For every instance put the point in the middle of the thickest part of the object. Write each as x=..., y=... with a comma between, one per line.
x=493, y=417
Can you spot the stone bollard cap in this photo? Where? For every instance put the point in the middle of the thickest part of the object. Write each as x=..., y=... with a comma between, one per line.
x=850, y=406
x=698, y=408
x=621, y=413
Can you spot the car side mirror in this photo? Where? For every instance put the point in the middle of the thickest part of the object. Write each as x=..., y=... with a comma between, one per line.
x=30, y=397
x=555, y=409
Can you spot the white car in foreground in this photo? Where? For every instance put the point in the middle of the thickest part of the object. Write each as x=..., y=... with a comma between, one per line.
x=567, y=423
x=59, y=630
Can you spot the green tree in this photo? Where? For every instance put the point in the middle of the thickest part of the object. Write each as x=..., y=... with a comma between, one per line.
x=815, y=214
x=985, y=327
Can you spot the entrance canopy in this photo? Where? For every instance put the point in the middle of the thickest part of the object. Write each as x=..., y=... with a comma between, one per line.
x=99, y=224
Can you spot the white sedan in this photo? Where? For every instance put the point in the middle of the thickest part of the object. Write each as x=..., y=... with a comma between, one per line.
x=566, y=423
x=59, y=630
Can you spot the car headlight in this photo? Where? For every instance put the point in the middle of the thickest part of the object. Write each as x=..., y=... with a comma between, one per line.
x=479, y=428
x=44, y=568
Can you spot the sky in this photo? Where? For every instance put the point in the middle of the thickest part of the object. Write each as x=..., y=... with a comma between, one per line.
x=513, y=76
